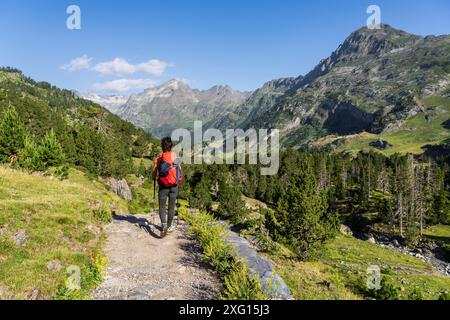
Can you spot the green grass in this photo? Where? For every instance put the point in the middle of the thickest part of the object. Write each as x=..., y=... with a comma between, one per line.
x=414, y=134
x=441, y=234
x=143, y=196
x=58, y=218
x=147, y=162
x=344, y=264
x=440, y=231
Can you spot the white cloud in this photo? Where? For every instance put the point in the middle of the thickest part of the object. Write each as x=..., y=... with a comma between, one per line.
x=121, y=67
x=118, y=66
x=154, y=67
x=123, y=85
x=77, y=64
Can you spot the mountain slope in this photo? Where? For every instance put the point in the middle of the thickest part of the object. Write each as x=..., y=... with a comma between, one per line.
x=46, y=226
x=257, y=104
x=377, y=81
x=91, y=136
x=175, y=105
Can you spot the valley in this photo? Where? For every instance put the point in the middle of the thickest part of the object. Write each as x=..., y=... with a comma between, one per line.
x=363, y=182
x=379, y=84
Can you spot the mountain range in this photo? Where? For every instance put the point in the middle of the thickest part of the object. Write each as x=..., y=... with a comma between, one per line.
x=111, y=102
x=175, y=105
x=378, y=84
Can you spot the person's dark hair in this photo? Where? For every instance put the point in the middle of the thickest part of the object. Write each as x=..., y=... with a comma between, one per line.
x=167, y=144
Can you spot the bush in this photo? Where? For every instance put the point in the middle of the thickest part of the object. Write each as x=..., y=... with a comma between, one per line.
x=239, y=285
x=444, y=296
x=39, y=157
x=30, y=156
x=72, y=295
x=416, y=294
x=92, y=274
x=218, y=254
x=51, y=151
x=387, y=291
x=102, y=215
x=62, y=172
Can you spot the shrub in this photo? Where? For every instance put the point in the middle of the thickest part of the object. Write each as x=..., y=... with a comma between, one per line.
x=445, y=295
x=239, y=285
x=416, y=294
x=387, y=291
x=30, y=156
x=218, y=254
x=102, y=215
x=62, y=172
x=67, y=294
x=51, y=151
x=92, y=274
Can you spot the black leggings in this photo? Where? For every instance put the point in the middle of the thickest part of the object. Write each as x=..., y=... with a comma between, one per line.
x=172, y=193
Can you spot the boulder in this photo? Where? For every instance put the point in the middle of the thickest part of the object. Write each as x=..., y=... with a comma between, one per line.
x=121, y=188
x=54, y=265
x=20, y=237
x=371, y=239
x=346, y=230
x=380, y=144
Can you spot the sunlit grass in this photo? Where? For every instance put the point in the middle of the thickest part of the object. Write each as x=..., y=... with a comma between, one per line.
x=341, y=271
x=59, y=224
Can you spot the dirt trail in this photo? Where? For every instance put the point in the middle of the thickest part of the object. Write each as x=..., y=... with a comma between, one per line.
x=144, y=267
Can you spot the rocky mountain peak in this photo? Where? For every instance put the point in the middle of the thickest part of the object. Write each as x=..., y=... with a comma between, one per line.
x=361, y=44
x=365, y=41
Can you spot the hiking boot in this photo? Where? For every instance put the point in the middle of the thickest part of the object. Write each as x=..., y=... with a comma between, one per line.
x=171, y=229
x=164, y=230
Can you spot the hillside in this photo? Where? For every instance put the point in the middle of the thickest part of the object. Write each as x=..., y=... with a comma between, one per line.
x=387, y=82
x=47, y=225
x=341, y=272
x=91, y=136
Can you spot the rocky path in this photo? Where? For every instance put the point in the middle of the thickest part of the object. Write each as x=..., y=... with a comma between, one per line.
x=144, y=267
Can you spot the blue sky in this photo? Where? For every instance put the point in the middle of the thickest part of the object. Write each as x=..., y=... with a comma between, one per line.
x=240, y=43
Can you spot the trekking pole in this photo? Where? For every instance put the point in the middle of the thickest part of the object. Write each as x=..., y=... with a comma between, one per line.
x=154, y=201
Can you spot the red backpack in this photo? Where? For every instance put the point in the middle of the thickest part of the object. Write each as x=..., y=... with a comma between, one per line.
x=170, y=173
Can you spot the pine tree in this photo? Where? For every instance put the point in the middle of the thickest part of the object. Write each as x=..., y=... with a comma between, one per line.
x=30, y=157
x=230, y=201
x=302, y=214
x=201, y=196
x=51, y=151
x=262, y=188
x=12, y=135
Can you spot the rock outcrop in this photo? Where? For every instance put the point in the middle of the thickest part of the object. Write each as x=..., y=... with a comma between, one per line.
x=121, y=188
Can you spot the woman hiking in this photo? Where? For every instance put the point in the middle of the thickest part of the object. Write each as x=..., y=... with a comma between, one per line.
x=168, y=171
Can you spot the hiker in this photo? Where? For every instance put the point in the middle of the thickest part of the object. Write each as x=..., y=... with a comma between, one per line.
x=168, y=171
